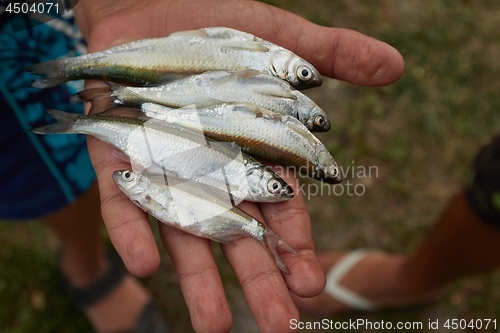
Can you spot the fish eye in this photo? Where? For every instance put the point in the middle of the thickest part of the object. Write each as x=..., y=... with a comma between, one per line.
x=304, y=73
x=319, y=121
x=128, y=176
x=334, y=171
x=274, y=186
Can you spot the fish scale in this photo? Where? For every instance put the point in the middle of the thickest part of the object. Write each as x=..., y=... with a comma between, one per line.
x=213, y=88
x=282, y=139
x=179, y=54
x=157, y=146
x=199, y=210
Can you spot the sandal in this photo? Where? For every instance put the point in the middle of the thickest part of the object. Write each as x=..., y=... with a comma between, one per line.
x=149, y=321
x=338, y=298
x=341, y=293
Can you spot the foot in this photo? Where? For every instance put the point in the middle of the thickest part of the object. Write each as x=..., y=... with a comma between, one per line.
x=119, y=309
x=379, y=279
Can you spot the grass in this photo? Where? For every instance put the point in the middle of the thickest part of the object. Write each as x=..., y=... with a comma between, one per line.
x=31, y=297
x=421, y=133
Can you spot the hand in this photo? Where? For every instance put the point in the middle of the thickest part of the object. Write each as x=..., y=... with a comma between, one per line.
x=338, y=53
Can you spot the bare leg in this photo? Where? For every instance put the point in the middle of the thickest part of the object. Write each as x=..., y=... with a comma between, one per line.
x=459, y=244
x=83, y=260
x=77, y=227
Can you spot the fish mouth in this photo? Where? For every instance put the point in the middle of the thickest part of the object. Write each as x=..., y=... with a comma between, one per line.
x=287, y=192
x=314, y=82
x=318, y=80
x=330, y=180
x=325, y=128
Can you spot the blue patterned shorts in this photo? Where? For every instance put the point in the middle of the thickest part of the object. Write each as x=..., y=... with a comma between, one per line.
x=39, y=174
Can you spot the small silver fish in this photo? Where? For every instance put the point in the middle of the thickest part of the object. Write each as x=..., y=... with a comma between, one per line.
x=259, y=132
x=197, y=209
x=157, y=146
x=211, y=88
x=157, y=60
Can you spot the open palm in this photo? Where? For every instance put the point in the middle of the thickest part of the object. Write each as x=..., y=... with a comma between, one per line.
x=338, y=53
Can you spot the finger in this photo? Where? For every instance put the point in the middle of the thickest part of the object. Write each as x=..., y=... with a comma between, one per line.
x=291, y=221
x=342, y=54
x=263, y=286
x=338, y=53
x=127, y=225
x=199, y=280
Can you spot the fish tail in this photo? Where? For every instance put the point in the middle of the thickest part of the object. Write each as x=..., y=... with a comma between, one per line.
x=51, y=71
x=114, y=86
x=126, y=96
x=101, y=99
x=88, y=95
x=64, y=123
x=272, y=242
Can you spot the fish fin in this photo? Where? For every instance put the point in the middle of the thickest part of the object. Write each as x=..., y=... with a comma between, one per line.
x=100, y=99
x=229, y=148
x=227, y=33
x=101, y=105
x=261, y=84
x=152, y=111
x=259, y=111
x=63, y=124
x=158, y=112
x=126, y=95
x=47, y=83
x=245, y=46
x=206, y=190
x=50, y=70
x=300, y=128
x=190, y=33
x=269, y=85
x=272, y=242
x=223, y=239
x=113, y=86
x=244, y=75
x=122, y=94
x=223, y=197
x=217, y=191
x=90, y=94
x=275, y=91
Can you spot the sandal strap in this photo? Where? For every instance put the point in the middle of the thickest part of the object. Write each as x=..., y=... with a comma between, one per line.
x=341, y=293
x=151, y=321
x=84, y=297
